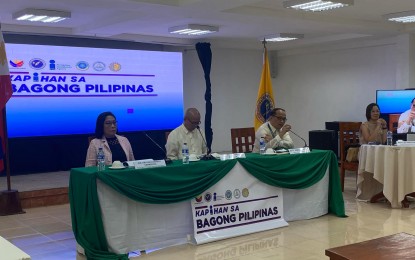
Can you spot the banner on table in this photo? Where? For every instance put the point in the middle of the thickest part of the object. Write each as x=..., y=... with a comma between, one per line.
x=237, y=205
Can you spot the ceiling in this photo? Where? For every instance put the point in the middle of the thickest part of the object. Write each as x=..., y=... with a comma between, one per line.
x=241, y=22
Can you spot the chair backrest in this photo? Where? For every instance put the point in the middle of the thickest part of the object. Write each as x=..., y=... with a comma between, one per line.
x=242, y=139
x=348, y=136
x=393, y=122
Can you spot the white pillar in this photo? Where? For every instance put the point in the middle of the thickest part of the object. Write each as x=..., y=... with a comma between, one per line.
x=405, y=61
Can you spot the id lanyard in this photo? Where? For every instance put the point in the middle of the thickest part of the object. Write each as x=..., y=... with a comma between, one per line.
x=272, y=133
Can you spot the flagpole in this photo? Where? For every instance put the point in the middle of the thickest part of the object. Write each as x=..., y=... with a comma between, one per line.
x=6, y=152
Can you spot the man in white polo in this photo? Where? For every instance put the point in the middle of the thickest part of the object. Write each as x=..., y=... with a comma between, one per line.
x=275, y=131
x=406, y=122
x=186, y=133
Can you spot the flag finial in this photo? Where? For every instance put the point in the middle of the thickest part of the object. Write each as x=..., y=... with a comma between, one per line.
x=264, y=42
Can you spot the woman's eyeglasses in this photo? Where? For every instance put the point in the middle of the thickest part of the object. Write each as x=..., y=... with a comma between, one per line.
x=109, y=123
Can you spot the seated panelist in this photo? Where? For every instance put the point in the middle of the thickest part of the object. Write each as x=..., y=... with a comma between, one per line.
x=374, y=129
x=186, y=133
x=406, y=122
x=116, y=147
x=275, y=132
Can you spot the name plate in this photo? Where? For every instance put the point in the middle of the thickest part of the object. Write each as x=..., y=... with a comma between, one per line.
x=149, y=164
x=299, y=150
x=405, y=143
x=133, y=163
x=146, y=163
x=224, y=157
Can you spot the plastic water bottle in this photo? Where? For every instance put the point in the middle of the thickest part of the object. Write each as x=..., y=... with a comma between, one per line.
x=262, y=145
x=389, y=138
x=185, y=153
x=101, y=159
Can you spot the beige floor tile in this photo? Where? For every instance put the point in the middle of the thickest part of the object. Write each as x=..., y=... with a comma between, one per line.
x=17, y=232
x=51, y=227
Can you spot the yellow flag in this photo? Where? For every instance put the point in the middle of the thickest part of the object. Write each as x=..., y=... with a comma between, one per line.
x=265, y=99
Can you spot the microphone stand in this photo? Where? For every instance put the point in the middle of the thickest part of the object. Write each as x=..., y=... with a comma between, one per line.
x=167, y=160
x=305, y=143
x=207, y=156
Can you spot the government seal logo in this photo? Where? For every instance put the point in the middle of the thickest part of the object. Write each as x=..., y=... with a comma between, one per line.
x=264, y=106
x=37, y=64
x=115, y=66
x=245, y=192
x=208, y=196
x=228, y=194
x=82, y=65
x=99, y=66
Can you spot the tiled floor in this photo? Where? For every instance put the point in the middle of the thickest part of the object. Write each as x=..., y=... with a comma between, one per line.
x=45, y=233
x=39, y=181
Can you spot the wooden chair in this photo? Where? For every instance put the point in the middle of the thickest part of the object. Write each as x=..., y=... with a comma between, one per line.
x=348, y=137
x=393, y=122
x=242, y=139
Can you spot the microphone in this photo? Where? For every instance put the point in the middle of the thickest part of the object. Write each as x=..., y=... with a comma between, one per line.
x=305, y=143
x=207, y=156
x=167, y=160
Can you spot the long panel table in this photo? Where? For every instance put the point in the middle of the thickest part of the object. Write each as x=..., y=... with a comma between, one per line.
x=139, y=209
x=387, y=169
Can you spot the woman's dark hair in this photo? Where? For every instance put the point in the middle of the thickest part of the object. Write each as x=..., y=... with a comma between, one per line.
x=369, y=110
x=99, y=127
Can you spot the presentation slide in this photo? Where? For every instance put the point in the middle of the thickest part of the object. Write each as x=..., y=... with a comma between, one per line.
x=394, y=101
x=59, y=90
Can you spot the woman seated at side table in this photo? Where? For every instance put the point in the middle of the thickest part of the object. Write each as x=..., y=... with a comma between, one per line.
x=116, y=147
x=374, y=130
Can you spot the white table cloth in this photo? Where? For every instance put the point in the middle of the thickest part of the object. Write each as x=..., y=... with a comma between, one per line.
x=131, y=225
x=390, y=169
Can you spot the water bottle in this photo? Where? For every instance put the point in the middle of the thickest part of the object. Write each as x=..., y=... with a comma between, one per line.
x=262, y=145
x=389, y=138
x=101, y=159
x=185, y=153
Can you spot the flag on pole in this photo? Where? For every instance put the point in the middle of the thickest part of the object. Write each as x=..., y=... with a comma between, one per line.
x=5, y=93
x=5, y=82
x=265, y=99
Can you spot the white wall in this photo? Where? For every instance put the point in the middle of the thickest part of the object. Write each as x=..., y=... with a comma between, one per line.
x=314, y=86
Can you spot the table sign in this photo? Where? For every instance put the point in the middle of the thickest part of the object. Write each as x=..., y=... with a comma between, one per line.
x=299, y=150
x=237, y=205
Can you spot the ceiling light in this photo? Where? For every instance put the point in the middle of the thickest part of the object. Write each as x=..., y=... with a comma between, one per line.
x=193, y=29
x=41, y=15
x=402, y=17
x=316, y=5
x=282, y=37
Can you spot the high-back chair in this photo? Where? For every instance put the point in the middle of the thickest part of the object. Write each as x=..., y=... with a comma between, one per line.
x=393, y=122
x=242, y=139
x=348, y=137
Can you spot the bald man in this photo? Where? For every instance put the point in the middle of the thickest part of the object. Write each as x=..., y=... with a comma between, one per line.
x=186, y=133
